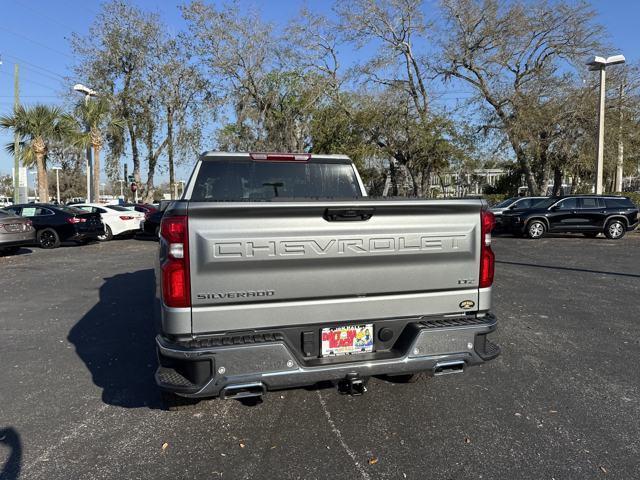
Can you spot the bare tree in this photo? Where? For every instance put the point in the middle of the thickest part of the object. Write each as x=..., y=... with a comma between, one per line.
x=113, y=59
x=394, y=25
x=508, y=51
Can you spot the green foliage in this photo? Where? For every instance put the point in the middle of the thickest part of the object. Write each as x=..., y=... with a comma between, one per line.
x=494, y=198
x=634, y=196
x=36, y=127
x=507, y=184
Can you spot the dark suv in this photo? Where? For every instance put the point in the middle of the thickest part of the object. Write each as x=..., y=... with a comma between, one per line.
x=586, y=214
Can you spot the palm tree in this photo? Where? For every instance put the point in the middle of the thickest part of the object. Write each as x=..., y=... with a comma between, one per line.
x=97, y=116
x=37, y=127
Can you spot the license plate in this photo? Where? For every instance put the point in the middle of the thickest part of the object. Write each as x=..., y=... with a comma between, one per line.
x=348, y=340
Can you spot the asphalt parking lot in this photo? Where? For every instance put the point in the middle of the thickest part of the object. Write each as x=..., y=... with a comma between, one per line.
x=77, y=398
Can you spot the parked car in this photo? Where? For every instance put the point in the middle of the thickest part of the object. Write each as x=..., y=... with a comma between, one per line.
x=513, y=203
x=140, y=207
x=151, y=224
x=5, y=201
x=275, y=272
x=15, y=231
x=586, y=214
x=55, y=224
x=117, y=221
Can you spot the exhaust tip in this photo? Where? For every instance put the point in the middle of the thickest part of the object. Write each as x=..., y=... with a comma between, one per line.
x=245, y=390
x=447, y=368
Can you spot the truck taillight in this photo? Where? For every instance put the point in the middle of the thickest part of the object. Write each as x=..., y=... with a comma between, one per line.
x=176, y=287
x=487, y=257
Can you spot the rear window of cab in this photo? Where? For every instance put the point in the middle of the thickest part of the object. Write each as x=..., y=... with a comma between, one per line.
x=246, y=180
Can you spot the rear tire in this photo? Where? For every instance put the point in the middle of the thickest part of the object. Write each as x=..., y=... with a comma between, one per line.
x=48, y=238
x=108, y=235
x=615, y=229
x=536, y=229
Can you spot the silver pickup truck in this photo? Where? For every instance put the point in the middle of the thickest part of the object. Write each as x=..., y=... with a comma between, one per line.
x=277, y=271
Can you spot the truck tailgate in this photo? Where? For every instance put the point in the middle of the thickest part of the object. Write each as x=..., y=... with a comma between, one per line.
x=256, y=265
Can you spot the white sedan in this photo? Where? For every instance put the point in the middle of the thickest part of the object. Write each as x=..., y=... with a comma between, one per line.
x=117, y=220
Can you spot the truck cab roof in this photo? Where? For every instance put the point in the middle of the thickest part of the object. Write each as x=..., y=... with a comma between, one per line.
x=213, y=155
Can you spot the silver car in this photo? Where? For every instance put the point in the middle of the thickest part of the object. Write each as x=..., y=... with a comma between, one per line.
x=15, y=231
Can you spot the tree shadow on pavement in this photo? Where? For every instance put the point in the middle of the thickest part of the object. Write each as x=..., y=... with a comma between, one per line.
x=115, y=340
x=11, y=468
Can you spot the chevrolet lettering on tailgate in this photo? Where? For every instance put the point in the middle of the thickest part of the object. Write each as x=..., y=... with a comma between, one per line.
x=263, y=249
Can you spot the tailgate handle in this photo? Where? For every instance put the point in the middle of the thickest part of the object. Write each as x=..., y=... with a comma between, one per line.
x=348, y=214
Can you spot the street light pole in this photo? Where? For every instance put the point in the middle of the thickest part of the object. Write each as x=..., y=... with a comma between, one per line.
x=87, y=92
x=601, y=63
x=620, y=162
x=16, y=139
x=57, y=169
x=35, y=185
x=600, y=159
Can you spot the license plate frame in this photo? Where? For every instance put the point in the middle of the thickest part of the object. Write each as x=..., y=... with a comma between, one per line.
x=346, y=340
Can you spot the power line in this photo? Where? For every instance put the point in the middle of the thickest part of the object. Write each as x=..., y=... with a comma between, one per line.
x=45, y=76
x=35, y=42
x=24, y=104
x=47, y=18
x=29, y=81
x=22, y=60
x=31, y=96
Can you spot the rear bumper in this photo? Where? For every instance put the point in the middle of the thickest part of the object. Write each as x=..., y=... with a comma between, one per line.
x=85, y=236
x=128, y=230
x=30, y=240
x=149, y=228
x=268, y=360
x=85, y=233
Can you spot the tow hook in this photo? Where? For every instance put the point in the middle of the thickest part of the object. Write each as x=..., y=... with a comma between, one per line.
x=352, y=385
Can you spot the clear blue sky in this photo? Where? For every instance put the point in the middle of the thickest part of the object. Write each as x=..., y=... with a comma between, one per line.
x=34, y=33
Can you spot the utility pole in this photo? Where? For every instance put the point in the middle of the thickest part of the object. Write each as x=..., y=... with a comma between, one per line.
x=16, y=140
x=620, y=163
